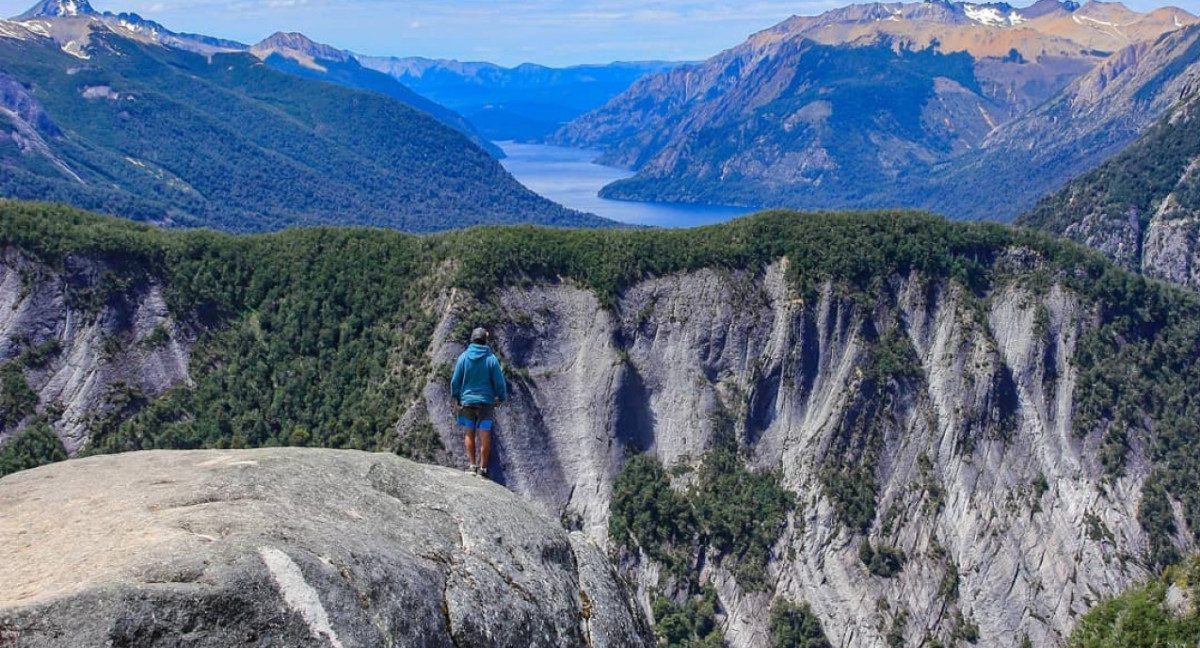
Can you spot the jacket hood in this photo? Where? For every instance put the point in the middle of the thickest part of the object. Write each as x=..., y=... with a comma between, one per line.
x=477, y=351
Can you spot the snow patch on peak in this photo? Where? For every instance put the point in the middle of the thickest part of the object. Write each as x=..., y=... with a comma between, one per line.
x=991, y=15
x=15, y=31
x=71, y=8
x=58, y=9
x=38, y=27
x=77, y=49
x=1079, y=20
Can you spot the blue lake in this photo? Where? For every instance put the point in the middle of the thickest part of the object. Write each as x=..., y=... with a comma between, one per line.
x=568, y=176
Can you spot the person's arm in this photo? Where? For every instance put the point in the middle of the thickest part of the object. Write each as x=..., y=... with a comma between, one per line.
x=499, y=386
x=456, y=381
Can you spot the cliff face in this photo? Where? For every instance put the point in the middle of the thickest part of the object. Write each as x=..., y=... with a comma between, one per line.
x=292, y=547
x=952, y=416
x=979, y=472
x=104, y=348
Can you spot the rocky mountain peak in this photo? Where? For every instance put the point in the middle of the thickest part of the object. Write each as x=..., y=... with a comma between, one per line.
x=58, y=9
x=300, y=47
x=1050, y=18
x=1044, y=7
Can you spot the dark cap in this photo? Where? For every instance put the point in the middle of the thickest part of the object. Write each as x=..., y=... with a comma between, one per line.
x=479, y=335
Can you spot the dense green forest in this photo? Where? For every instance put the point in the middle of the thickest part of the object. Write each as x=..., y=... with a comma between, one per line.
x=164, y=135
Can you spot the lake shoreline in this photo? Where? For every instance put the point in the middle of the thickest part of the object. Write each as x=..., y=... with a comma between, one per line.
x=571, y=177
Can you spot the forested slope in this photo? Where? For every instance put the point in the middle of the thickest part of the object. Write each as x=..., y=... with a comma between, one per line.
x=172, y=137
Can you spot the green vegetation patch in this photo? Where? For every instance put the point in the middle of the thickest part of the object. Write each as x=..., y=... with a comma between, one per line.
x=1157, y=517
x=793, y=625
x=732, y=510
x=33, y=447
x=855, y=250
x=647, y=514
x=17, y=398
x=690, y=624
x=1142, y=618
x=741, y=513
x=881, y=560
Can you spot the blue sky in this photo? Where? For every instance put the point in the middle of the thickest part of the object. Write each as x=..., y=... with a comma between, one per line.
x=553, y=32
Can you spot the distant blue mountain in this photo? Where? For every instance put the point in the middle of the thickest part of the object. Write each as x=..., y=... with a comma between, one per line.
x=523, y=103
x=297, y=54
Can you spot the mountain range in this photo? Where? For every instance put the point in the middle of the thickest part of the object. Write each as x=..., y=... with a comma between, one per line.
x=524, y=103
x=118, y=114
x=299, y=55
x=916, y=104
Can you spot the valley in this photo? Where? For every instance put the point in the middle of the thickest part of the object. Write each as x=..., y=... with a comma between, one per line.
x=525, y=103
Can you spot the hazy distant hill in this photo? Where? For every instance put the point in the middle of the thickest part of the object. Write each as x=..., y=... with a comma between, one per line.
x=863, y=105
x=526, y=102
x=106, y=114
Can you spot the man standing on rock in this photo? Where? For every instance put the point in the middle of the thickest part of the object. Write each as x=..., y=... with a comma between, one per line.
x=477, y=387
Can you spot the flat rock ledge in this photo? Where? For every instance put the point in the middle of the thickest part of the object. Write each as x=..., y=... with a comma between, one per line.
x=293, y=547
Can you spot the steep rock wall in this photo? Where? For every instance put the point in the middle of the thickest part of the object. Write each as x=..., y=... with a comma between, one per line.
x=110, y=345
x=976, y=465
x=978, y=468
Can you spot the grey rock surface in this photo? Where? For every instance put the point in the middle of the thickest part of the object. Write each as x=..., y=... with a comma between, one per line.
x=129, y=342
x=991, y=414
x=293, y=547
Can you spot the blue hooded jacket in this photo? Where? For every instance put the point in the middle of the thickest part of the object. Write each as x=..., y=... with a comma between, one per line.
x=478, y=379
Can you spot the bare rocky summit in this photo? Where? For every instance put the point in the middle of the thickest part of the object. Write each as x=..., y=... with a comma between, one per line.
x=292, y=547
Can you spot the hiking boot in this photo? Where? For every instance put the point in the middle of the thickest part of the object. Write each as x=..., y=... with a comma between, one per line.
x=482, y=472
x=473, y=469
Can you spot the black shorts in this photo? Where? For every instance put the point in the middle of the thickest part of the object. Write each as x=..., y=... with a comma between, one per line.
x=477, y=417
